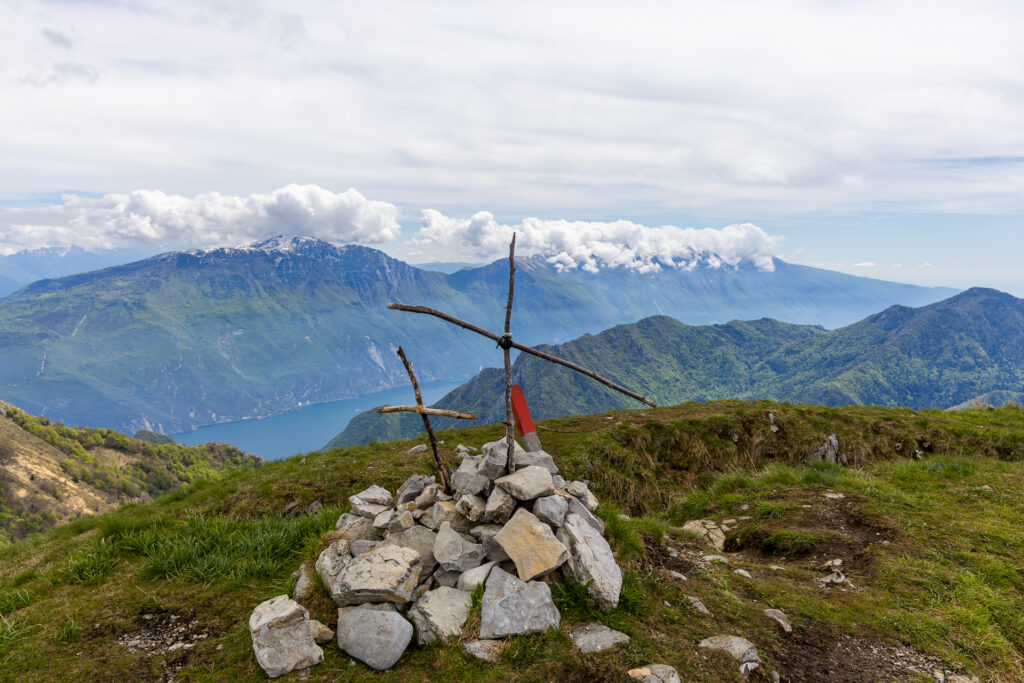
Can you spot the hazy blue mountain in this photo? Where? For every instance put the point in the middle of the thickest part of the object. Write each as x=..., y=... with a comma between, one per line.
x=22, y=267
x=194, y=337
x=446, y=266
x=935, y=356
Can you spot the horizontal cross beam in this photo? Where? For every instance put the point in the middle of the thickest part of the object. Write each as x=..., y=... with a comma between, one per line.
x=503, y=341
x=440, y=412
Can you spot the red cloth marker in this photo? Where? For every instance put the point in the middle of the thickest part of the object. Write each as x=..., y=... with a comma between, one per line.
x=521, y=412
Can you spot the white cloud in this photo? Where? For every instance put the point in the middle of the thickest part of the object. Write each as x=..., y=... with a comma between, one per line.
x=154, y=218
x=593, y=245
x=865, y=264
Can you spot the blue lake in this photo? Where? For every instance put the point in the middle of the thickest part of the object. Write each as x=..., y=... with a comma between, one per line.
x=308, y=428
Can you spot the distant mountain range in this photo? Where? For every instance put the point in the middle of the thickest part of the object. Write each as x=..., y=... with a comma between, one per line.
x=201, y=336
x=936, y=356
x=27, y=266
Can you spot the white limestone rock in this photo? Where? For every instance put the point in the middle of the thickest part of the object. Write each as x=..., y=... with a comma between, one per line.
x=281, y=637
x=551, y=510
x=440, y=614
x=591, y=562
x=419, y=539
x=384, y=574
x=740, y=649
x=536, y=458
x=454, y=552
x=528, y=483
x=597, y=638
x=513, y=607
x=500, y=506
x=471, y=507
x=655, y=673
x=471, y=578
x=376, y=638
x=484, y=534
x=484, y=650
x=412, y=487
x=332, y=562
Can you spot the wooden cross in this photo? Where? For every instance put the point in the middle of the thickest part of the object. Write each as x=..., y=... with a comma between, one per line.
x=424, y=412
x=506, y=344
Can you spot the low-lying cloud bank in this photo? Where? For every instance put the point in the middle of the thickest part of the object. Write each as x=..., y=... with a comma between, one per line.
x=151, y=217
x=593, y=245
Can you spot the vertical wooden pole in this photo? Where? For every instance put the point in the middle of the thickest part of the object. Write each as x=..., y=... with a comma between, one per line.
x=426, y=423
x=506, y=345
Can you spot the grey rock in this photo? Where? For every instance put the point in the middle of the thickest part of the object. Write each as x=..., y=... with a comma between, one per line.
x=303, y=584
x=550, y=510
x=655, y=673
x=454, y=553
x=321, y=634
x=371, y=502
x=444, y=511
x=376, y=638
x=498, y=450
x=531, y=545
x=281, y=637
x=412, y=487
x=471, y=578
x=446, y=578
x=596, y=638
x=485, y=533
x=332, y=562
x=428, y=496
x=577, y=489
x=484, y=650
x=740, y=649
x=384, y=574
x=836, y=578
x=512, y=607
x=493, y=462
x=711, y=559
x=697, y=604
x=440, y=614
x=578, y=508
x=354, y=527
x=382, y=606
x=558, y=481
x=403, y=521
x=381, y=521
x=500, y=506
x=591, y=562
x=743, y=572
x=527, y=483
x=780, y=618
x=471, y=507
x=363, y=546
x=421, y=540
x=829, y=452
x=469, y=482
x=535, y=458
x=419, y=448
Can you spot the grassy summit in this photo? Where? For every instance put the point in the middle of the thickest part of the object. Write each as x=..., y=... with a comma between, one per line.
x=925, y=516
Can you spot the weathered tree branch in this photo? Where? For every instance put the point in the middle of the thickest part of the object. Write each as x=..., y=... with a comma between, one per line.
x=510, y=428
x=426, y=423
x=439, y=412
x=426, y=310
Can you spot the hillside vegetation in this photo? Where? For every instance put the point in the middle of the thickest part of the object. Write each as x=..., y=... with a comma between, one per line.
x=51, y=473
x=925, y=515
x=936, y=356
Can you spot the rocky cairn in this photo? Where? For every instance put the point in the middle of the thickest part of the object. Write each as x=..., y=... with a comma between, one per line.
x=415, y=557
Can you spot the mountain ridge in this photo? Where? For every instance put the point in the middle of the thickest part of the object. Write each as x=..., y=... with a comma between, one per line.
x=203, y=336
x=935, y=356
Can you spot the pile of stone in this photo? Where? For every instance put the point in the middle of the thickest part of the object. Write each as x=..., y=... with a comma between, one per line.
x=417, y=556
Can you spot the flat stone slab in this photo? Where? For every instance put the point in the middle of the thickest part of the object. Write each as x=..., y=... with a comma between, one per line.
x=440, y=614
x=708, y=530
x=511, y=607
x=472, y=578
x=597, y=637
x=376, y=638
x=531, y=544
x=538, y=458
x=384, y=574
x=282, y=638
x=527, y=483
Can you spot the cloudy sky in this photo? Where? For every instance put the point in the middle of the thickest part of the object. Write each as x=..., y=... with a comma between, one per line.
x=879, y=138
